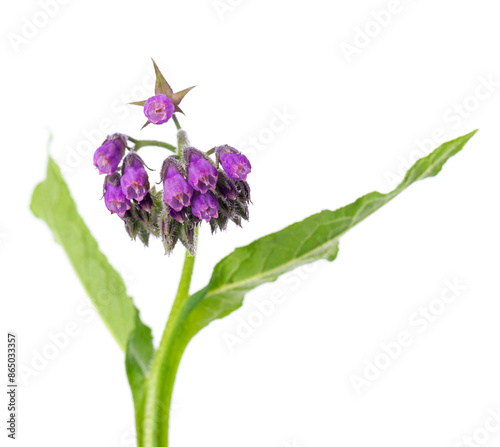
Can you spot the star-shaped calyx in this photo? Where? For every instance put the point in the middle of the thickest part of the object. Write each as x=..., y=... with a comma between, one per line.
x=160, y=108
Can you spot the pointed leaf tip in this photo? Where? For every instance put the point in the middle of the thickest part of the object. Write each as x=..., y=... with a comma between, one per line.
x=161, y=85
x=179, y=96
x=138, y=103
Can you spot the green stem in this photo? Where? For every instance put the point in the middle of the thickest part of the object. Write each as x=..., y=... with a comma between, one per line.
x=185, y=282
x=176, y=121
x=161, y=382
x=141, y=143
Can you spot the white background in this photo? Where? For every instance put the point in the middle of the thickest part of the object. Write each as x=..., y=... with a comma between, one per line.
x=356, y=121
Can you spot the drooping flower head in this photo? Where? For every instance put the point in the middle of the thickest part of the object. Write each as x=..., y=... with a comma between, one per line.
x=205, y=206
x=114, y=198
x=108, y=156
x=134, y=181
x=235, y=164
x=202, y=174
x=196, y=188
x=159, y=109
x=177, y=192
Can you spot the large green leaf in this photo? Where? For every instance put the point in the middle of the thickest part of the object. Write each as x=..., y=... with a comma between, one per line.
x=53, y=203
x=248, y=267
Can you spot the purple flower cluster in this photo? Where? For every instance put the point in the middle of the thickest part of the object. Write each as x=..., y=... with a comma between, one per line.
x=126, y=187
x=195, y=189
x=131, y=188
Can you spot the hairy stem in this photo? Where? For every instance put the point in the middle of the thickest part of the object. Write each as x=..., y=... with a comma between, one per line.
x=182, y=142
x=142, y=143
x=161, y=383
x=176, y=121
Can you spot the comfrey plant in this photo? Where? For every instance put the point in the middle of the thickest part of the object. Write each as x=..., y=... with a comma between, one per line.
x=198, y=186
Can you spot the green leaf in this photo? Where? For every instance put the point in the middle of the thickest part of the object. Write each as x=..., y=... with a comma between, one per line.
x=264, y=260
x=53, y=203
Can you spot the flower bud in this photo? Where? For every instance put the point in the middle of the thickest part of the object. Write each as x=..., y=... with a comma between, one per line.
x=227, y=207
x=169, y=232
x=187, y=237
x=235, y=164
x=131, y=226
x=220, y=223
x=204, y=206
x=134, y=181
x=179, y=216
x=143, y=236
x=114, y=198
x=243, y=189
x=108, y=156
x=225, y=187
x=159, y=109
x=176, y=190
x=202, y=174
x=241, y=209
x=146, y=204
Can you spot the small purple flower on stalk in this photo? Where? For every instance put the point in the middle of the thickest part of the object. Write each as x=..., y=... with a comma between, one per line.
x=205, y=206
x=115, y=200
x=235, y=164
x=202, y=175
x=177, y=192
x=134, y=181
x=108, y=156
x=159, y=109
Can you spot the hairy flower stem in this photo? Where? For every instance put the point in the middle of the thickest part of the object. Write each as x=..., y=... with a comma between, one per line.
x=182, y=142
x=160, y=384
x=142, y=143
x=176, y=121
